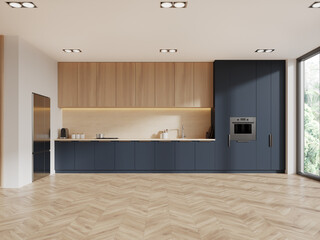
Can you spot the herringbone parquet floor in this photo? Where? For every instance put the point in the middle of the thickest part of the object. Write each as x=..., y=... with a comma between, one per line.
x=162, y=206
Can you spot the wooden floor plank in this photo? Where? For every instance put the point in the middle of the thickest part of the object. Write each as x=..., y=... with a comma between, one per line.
x=162, y=206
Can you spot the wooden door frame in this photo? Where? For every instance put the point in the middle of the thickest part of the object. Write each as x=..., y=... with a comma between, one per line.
x=1, y=101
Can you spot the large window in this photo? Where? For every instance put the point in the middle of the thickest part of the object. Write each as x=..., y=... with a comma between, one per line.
x=309, y=76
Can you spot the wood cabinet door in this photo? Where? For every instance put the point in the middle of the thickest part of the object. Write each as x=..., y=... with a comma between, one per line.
x=67, y=84
x=183, y=84
x=164, y=84
x=87, y=85
x=145, y=75
x=125, y=85
x=106, y=84
x=203, y=84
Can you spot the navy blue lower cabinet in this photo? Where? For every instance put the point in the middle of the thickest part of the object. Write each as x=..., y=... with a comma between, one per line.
x=164, y=156
x=104, y=156
x=84, y=156
x=144, y=156
x=124, y=156
x=64, y=156
x=204, y=152
x=242, y=156
x=47, y=161
x=184, y=155
x=38, y=162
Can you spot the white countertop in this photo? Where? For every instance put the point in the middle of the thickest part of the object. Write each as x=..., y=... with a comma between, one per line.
x=138, y=140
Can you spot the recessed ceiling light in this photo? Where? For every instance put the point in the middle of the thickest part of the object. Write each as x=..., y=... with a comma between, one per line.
x=180, y=4
x=166, y=4
x=22, y=4
x=264, y=50
x=269, y=50
x=28, y=5
x=72, y=50
x=173, y=50
x=315, y=5
x=15, y=4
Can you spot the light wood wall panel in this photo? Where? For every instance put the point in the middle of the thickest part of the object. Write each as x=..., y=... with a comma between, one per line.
x=87, y=85
x=106, y=85
x=1, y=101
x=183, y=84
x=68, y=84
x=125, y=84
x=138, y=122
x=164, y=84
x=203, y=84
x=145, y=75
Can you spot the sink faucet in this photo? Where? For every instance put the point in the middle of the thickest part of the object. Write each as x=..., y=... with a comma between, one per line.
x=182, y=132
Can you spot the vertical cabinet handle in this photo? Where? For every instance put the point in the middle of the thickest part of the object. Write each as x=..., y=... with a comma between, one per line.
x=229, y=140
x=270, y=140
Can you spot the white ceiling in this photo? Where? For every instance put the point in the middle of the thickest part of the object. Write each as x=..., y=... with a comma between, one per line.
x=135, y=30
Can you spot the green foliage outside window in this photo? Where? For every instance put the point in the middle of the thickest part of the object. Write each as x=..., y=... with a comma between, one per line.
x=312, y=116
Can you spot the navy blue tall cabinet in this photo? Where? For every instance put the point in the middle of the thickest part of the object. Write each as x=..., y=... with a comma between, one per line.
x=250, y=89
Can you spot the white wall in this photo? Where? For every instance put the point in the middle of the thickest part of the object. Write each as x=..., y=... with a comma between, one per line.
x=37, y=73
x=291, y=116
x=10, y=163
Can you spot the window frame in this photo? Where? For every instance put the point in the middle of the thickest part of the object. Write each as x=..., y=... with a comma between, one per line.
x=300, y=113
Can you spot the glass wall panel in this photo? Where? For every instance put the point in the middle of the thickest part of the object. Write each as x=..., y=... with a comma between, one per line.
x=311, y=82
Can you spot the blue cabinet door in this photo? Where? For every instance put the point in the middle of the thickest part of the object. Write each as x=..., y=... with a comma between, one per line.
x=222, y=116
x=164, y=156
x=204, y=152
x=47, y=161
x=243, y=103
x=64, y=156
x=185, y=155
x=242, y=156
x=263, y=115
x=104, y=153
x=278, y=115
x=124, y=156
x=144, y=155
x=242, y=89
x=39, y=162
x=84, y=156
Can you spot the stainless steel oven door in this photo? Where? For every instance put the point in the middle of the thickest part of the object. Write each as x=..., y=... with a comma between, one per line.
x=243, y=129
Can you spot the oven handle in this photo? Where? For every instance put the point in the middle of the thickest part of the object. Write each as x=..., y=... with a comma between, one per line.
x=229, y=140
x=270, y=140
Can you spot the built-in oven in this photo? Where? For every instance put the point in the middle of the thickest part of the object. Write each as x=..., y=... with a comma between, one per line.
x=242, y=129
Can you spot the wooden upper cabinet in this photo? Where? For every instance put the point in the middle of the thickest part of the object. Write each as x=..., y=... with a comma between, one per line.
x=87, y=85
x=125, y=84
x=183, y=84
x=164, y=80
x=106, y=84
x=145, y=75
x=203, y=84
x=68, y=84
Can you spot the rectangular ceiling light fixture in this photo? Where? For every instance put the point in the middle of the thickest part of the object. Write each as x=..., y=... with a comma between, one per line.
x=173, y=50
x=265, y=50
x=181, y=4
x=21, y=4
x=315, y=5
x=66, y=50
